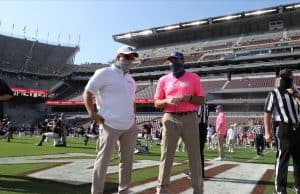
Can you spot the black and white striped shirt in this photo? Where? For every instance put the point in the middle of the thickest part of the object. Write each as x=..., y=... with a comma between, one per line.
x=283, y=106
x=203, y=113
x=258, y=130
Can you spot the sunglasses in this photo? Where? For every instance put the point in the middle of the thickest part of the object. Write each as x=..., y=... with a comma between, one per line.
x=130, y=57
x=174, y=60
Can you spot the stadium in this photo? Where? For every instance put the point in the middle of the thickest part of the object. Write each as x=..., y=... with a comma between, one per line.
x=238, y=57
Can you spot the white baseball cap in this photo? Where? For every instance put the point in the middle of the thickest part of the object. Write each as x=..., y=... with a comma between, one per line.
x=127, y=50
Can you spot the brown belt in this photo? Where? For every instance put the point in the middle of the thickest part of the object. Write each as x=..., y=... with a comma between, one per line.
x=181, y=113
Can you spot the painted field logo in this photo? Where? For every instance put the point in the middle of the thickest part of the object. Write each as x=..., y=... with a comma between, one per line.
x=224, y=176
x=72, y=170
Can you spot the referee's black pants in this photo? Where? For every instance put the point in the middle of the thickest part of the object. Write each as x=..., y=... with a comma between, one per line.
x=288, y=144
x=259, y=143
x=202, y=136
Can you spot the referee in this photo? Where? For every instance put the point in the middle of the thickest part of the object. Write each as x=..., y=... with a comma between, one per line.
x=259, y=138
x=203, y=117
x=283, y=102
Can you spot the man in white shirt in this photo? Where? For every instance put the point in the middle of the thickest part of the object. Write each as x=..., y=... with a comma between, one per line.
x=231, y=138
x=210, y=132
x=114, y=91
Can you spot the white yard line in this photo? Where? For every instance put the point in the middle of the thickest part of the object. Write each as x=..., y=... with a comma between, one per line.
x=240, y=179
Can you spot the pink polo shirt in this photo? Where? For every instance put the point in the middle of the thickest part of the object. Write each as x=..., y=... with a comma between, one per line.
x=221, y=124
x=169, y=86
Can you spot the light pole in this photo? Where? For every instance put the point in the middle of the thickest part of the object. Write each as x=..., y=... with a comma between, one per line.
x=29, y=56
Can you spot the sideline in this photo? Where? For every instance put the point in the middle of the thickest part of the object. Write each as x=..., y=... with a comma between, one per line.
x=256, y=157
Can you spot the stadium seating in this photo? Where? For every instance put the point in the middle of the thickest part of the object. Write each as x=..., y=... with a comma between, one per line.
x=32, y=55
x=212, y=85
x=147, y=92
x=88, y=68
x=143, y=91
x=153, y=62
x=77, y=91
x=251, y=83
x=261, y=39
x=206, y=50
x=219, y=44
x=190, y=57
x=143, y=118
x=140, y=87
x=25, y=111
x=293, y=34
x=68, y=90
x=76, y=96
x=213, y=57
x=297, y=80
x=193, y=57
x=28, y=81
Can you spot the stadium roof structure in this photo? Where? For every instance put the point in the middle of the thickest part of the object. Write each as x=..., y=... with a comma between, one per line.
x=247, y=22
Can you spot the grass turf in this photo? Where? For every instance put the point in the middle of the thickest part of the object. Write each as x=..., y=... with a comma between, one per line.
x=13, y=181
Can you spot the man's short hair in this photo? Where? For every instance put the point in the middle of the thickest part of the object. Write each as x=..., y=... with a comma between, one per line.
x=285, y=73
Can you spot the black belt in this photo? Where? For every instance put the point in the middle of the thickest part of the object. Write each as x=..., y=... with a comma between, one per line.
x=182, y=113
x=288, y=124
x=295, y=126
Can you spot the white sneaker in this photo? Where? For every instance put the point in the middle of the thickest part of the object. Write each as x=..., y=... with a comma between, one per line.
x=159, y=192
x=218, y=159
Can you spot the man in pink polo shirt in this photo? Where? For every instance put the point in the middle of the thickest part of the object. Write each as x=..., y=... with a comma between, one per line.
x=179, y=94
x=221, y=131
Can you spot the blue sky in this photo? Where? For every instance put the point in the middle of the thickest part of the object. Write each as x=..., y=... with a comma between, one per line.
x=95, y=21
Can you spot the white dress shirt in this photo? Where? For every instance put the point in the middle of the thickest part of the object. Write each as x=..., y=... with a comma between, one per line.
x=115, y=95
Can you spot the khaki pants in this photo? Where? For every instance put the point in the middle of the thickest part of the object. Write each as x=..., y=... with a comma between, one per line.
x=221, y=140
x=106, y=146
x=175, y=126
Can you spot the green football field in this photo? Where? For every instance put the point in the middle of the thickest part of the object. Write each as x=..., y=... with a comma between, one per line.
x=13, y=177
